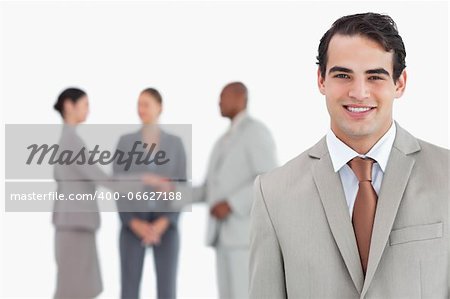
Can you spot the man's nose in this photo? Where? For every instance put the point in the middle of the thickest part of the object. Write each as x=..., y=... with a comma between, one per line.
x=359, y=90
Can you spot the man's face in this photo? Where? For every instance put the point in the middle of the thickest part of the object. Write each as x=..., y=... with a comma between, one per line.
x=359, y=87
x=227, y=102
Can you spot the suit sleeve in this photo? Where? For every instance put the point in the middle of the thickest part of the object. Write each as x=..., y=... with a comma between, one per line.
x=119, y=182
x=180, y=172
x=125, y=217
x=88, y=171
x=262, y=158
x=266, y=260
x=199, y=193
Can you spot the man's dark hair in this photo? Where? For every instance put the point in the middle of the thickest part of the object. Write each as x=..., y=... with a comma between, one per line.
x=379, y=28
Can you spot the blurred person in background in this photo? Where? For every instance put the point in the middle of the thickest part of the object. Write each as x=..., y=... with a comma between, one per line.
x=245, y=150
x=76, y=223
x=155, y=229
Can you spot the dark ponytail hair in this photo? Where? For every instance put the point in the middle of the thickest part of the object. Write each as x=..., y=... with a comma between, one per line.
x=70, y=94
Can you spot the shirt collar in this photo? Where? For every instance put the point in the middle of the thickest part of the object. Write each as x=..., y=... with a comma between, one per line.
x=238, y=119
x=341, y=153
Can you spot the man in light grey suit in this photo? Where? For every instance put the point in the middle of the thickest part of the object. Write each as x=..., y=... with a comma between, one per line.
x=244, y=151
x=364, y=212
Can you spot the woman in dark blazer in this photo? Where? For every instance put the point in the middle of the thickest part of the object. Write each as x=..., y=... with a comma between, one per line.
x=156, y=229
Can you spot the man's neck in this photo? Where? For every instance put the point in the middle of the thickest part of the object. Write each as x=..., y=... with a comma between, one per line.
x=362, y=147
x=361, y=144
x=233, y=117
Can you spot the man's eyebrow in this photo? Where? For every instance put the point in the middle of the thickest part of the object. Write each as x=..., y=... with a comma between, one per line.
x=378, y=71
x=340, y=69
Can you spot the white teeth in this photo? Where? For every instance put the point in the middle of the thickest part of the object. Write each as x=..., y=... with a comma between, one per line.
x=358, y=109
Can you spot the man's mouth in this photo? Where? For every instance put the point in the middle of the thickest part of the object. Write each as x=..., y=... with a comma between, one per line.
x=358, y=109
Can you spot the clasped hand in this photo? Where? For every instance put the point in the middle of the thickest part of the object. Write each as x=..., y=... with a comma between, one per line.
x=150, y=233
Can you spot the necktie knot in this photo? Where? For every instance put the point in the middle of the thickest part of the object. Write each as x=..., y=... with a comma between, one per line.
x=362, y=168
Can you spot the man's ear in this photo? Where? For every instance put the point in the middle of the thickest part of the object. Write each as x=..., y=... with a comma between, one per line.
x=400, y=85
x=320, y=82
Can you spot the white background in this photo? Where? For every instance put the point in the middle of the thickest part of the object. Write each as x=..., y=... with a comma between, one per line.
x=189, y=51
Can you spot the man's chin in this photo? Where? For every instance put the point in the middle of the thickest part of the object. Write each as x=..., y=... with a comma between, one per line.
x=360, y=134
x=358, y=131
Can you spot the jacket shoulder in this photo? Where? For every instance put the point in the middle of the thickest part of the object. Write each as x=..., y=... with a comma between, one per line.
x=127, y=138
x=292, y=172
x=171, y=138
x=434, y=156
x=433, y=149
x=254, y=130
x=255, y=124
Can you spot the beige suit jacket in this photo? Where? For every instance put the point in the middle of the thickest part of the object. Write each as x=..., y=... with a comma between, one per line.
x=302, y=239
x=230, y=176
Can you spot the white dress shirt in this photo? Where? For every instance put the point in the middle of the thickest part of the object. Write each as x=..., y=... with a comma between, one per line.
x=341, y=153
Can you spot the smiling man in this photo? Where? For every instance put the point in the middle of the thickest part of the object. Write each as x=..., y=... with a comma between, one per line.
x=364, y=212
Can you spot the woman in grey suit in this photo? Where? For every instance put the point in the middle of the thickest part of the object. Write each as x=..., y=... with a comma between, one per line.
x=156, y=229
x=76, y=223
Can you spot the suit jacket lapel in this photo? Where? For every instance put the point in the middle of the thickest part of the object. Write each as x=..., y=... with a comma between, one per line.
x=333, y=200
x=225, y=147
x=395, y=179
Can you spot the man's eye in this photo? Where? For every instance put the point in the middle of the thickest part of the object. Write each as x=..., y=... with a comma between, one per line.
x=375, y=78
x=342, y=76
